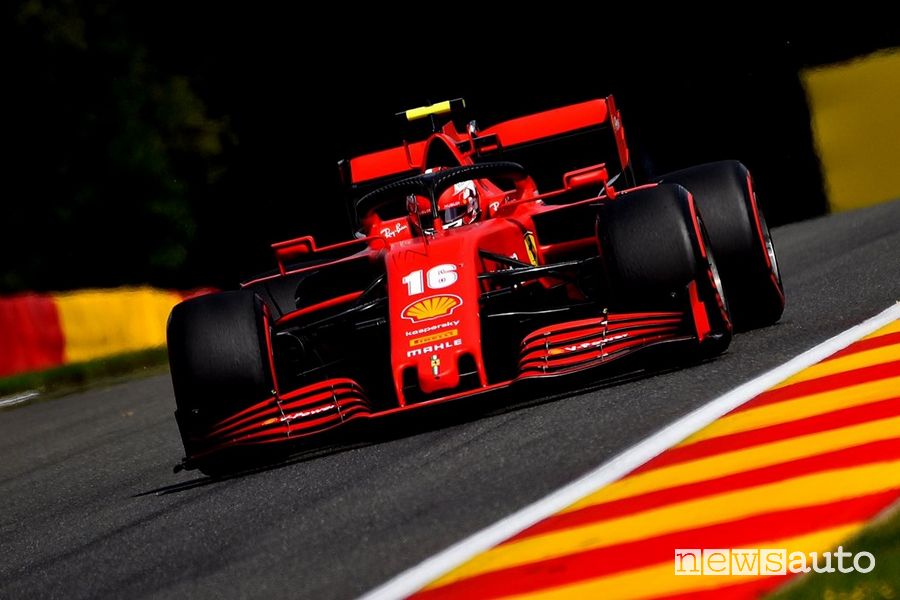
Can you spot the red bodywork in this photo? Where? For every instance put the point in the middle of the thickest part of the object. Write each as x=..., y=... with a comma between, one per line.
x=435, y=295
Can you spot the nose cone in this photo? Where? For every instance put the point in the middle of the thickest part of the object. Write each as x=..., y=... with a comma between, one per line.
x=437, y=367
x=434, y=304
x=439, y=330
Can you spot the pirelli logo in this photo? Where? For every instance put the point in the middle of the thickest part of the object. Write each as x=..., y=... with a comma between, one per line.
x=443, y=335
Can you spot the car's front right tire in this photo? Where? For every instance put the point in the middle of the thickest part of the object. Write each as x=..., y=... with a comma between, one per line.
x=219, y=363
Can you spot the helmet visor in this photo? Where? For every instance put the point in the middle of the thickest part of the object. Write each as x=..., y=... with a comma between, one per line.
x=451, y=217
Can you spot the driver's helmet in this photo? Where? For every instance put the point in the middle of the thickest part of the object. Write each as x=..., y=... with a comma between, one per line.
x=458, y=205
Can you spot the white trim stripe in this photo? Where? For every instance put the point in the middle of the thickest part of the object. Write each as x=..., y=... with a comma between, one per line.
x=412, y=580
x=17, y=399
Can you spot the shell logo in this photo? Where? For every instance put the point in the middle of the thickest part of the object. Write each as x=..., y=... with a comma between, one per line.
x=431, y=307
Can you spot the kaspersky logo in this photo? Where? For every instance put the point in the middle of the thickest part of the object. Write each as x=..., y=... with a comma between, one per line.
x=431, y=307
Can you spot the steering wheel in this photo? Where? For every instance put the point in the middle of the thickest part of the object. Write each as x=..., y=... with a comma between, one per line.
x=431, y=185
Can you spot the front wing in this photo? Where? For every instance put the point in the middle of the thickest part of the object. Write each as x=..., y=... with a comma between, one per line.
x=568, y=348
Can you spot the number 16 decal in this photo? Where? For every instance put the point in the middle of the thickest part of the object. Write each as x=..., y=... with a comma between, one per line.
x=437, y=277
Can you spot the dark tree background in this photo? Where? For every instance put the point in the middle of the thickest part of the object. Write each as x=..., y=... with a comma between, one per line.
x=171, y=143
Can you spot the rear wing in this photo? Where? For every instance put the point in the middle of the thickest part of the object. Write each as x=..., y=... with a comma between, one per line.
x=509, y=135
x=560, y=122
x=548, y=144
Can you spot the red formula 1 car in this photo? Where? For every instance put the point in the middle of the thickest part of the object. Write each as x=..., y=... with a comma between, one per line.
x=482, y=260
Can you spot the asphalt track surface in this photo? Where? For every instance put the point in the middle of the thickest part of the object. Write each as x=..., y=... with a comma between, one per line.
x=90, y=508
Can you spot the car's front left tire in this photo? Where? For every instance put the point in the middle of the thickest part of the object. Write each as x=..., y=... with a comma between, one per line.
x=740, y=238
x=654, y=245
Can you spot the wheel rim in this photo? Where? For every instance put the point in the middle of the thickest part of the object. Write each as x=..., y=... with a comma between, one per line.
x=714, y=272
x=714, y=276
x=716, y=280
x=769, y=247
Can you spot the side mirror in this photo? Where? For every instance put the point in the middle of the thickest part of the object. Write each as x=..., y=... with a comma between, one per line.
x=420, y=212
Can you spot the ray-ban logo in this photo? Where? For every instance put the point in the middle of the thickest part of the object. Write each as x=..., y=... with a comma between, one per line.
x=768, y=561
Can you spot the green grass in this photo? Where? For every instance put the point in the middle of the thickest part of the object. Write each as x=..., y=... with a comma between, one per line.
x=882, y=539
x=83, y=375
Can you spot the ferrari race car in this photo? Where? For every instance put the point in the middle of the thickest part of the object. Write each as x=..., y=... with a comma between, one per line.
x=481, y=260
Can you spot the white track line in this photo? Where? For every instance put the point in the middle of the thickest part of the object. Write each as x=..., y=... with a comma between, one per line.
x=417, y=577
x=18, y=399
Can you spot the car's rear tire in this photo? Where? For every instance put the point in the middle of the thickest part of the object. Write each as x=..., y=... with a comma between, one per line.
x=741, y=242
x=651, y=248
x=218, y=361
